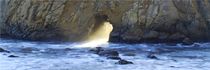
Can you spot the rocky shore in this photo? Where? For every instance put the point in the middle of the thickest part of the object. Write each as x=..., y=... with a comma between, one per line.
x=27, y=55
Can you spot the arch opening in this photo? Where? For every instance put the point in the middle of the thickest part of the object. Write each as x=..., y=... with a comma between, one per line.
x=100, y=34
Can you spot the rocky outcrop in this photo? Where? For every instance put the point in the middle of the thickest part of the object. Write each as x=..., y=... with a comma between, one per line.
x=2, y=15
x=133, y=20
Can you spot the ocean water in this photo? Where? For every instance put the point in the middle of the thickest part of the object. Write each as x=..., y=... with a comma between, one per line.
x=63, y=56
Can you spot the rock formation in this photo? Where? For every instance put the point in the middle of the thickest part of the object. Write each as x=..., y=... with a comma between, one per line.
x=133, y=20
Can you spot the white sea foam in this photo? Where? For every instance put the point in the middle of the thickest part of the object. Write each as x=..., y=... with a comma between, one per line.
x=92, y=44
x=197, y=59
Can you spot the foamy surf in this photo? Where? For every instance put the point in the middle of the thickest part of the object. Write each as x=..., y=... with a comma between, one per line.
x=92, y=44
x=56, y=57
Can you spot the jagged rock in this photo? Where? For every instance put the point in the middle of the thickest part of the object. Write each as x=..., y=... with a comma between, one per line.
x=110, y=54
x=3, y=50
x=152, y=56
x=97, y=50
x=124, y=62
x=74, y=20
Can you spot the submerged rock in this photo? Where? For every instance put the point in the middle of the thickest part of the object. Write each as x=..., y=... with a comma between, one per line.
x=29, y=50
x=110, y=54
x=97, y=50
x=68, y=49
x=13, y=56
x=124, y=62
x=152, y=56
x=113, y=57
x=3, y=50
x=55, y=51
x=129, y=54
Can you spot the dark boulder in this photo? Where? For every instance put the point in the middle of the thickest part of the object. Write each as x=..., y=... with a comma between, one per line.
x=68, y=49
x=110, y=54
x=97, y=50
x=152, y=56
x=13, y=56
x=123, y=62
x=3, y=50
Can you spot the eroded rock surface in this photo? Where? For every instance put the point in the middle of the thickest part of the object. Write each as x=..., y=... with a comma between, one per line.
x=133, y=20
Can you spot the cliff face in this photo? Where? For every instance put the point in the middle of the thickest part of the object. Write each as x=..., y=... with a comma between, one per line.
x=133, y=20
